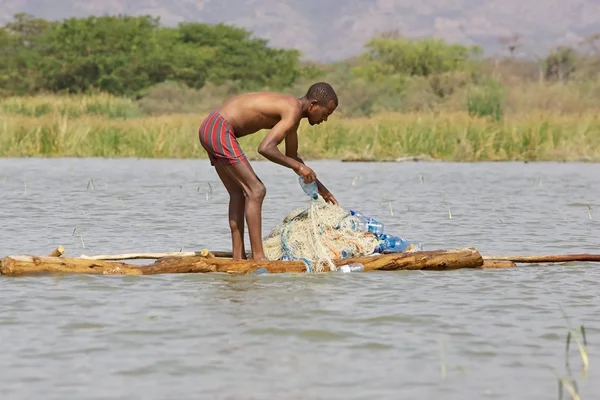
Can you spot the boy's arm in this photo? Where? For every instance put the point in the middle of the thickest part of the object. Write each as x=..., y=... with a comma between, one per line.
x=291, y=150
x=268, y=147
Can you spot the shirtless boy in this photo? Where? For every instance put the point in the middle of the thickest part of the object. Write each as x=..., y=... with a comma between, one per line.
x=247, y=114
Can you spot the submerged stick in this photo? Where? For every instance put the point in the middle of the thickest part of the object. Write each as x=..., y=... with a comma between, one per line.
x=424, y=260
x=547, y=258
x=156, y=256
x=497, y=264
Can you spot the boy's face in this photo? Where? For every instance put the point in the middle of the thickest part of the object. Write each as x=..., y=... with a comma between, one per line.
x=318, y=113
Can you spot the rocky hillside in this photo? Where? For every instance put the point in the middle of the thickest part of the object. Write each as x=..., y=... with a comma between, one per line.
x=328, y=30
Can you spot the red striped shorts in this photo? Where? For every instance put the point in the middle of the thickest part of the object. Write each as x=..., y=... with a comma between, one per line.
x=218, y=139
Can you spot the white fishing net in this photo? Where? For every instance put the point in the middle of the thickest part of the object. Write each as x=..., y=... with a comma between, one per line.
x=317, y=235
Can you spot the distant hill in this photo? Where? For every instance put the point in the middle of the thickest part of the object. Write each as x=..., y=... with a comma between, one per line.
x=328, y=30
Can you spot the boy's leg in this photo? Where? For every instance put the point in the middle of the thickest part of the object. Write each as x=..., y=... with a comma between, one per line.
x=237, y=204
x=245, y=177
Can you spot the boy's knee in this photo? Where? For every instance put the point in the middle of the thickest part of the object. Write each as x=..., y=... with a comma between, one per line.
x=257, y=191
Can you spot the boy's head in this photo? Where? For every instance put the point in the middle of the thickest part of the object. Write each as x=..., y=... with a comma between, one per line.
x=322, y=101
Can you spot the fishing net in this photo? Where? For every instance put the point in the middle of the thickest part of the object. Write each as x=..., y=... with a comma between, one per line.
x=317, y=235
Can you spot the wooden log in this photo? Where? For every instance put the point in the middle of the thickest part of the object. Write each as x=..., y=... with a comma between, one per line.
x=24, y=265
x=548, y=258
x=178, y=265
x=438, y=260
x=426, y=260
x=491, y=264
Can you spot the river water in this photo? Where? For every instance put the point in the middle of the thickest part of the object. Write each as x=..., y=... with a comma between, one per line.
x=484, y=334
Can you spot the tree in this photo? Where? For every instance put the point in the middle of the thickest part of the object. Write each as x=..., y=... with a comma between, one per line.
x=561, y=63
x=124, y=55
x=414, y=57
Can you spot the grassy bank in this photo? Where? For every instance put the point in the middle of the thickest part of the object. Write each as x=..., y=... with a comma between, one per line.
x=453, y=136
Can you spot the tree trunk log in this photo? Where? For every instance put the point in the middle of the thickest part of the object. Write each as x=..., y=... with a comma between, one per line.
x=425, y=260
x=436, y=260
x=178, y=265
x=24, y=265
x=547, y=259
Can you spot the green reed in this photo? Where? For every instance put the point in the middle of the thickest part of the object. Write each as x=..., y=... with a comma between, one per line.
x=104, y=105
x=452, y=136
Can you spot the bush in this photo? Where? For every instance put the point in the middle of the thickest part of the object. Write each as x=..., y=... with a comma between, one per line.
x=486, y=100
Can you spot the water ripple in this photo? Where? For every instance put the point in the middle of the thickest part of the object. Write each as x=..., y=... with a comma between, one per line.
x=489, y=334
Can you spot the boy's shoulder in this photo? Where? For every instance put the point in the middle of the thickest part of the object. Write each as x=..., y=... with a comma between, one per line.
x=284, y=103
x=271, y=104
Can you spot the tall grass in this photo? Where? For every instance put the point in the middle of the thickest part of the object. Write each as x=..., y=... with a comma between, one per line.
x=455, y=136
x=102, y=104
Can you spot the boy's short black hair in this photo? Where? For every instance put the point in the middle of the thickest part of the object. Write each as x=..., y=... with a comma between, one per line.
x=323, y=93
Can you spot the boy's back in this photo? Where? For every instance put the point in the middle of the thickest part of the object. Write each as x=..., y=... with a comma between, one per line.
x=252, y=112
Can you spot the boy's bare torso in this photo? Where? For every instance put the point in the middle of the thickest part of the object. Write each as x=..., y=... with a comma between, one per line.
x=252, y=112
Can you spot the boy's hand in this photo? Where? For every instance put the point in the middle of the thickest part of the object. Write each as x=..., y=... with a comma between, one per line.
x=307, y=173
x=328, y=197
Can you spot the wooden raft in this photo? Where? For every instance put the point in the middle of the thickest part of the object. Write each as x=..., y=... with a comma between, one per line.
x=206, y=262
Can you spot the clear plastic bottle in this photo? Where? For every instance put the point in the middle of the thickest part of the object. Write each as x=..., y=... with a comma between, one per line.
x=354, y=267
x=366, y=224
x=309, y=188
x=359, y=226
x=369, y=225
x=345, y=253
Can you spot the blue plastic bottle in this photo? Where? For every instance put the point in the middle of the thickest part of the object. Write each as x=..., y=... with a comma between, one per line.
x=309, y=188
x=380, y=247
x=392, y=244
x=399, y=244
x=375, y=226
